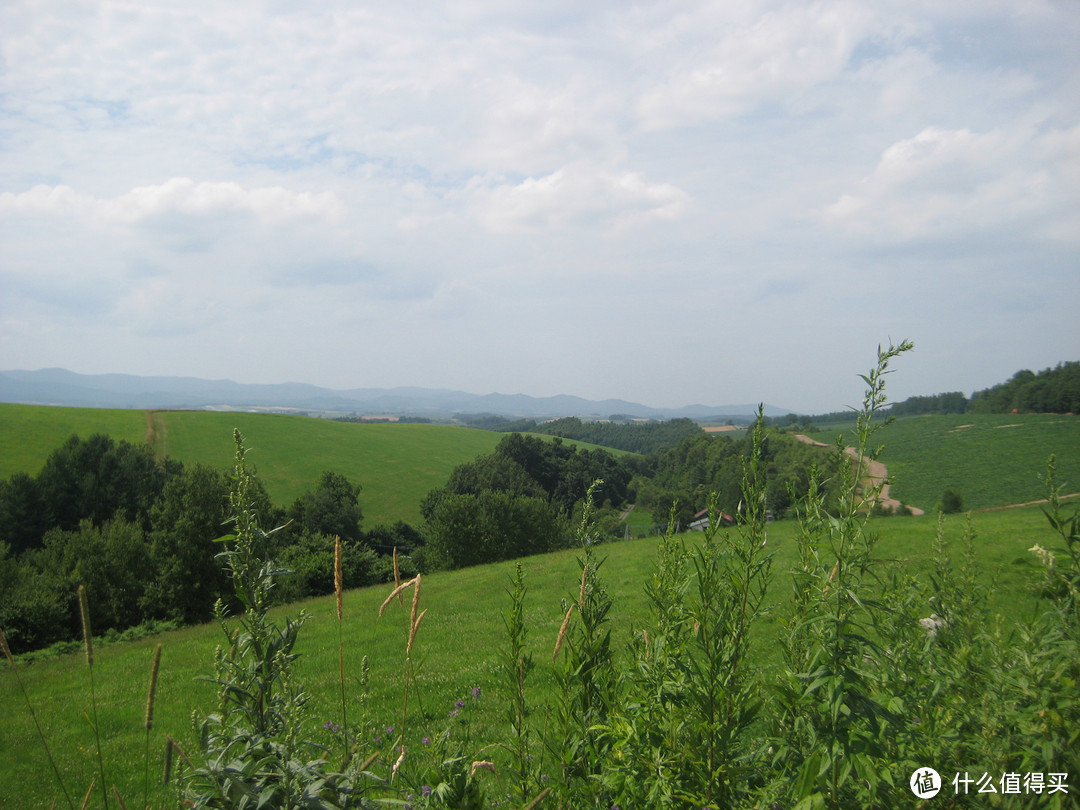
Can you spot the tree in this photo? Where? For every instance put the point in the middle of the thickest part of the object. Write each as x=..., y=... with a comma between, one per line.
x=98, y=478
x=951, y=502
x=332, y=509
x=472, y=529
x=23, y=518
x=185, y=522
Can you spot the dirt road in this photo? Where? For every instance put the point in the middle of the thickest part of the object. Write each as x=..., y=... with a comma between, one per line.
x=876, y=473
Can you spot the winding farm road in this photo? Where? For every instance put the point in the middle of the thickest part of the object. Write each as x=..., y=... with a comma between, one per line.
x=876, y=473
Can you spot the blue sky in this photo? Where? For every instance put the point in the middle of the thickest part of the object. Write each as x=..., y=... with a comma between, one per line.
x=669, y=203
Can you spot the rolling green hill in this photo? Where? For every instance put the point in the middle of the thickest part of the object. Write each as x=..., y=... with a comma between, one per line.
x=990, y=459
x=396, y=464
x=459, y=644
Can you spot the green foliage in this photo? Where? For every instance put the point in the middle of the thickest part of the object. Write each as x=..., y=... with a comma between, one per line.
x=99, y=478
x=1052, y=390
x=332, y=509
x=953, y=402
x=833, y=730
x=706, y=463
x=633, y=437
x=254, y=750
x=492, y=525
x=877, y=669
x=994, y=460
x=951, y=502
x=191, y=512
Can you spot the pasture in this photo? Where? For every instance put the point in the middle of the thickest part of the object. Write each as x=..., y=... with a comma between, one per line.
x=396, y=464
x=458, y=648
x=992, y=460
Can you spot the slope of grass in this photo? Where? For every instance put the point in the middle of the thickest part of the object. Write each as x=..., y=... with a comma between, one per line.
x=990, y=459
x=29, y=433
x=458, y=645
x=396, y=464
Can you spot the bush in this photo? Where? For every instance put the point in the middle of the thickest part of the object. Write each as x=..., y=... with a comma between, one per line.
x=951, y=502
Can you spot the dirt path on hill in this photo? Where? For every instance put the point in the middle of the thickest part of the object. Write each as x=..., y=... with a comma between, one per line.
x=876, y=473
x=157, y=434
x=1027, y=503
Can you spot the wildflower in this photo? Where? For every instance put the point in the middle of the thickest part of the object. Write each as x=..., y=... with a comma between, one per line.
x=460, y=704
x=476, y=691
x=425, y=790
x=425, y=740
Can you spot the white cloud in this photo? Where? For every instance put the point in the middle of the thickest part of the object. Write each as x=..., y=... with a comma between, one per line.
x=577, y=195
x=180, y=195
x=726, y=58
x=352, y=176
x=957, y=181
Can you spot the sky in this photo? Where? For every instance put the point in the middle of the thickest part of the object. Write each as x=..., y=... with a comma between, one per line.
x=667, y=202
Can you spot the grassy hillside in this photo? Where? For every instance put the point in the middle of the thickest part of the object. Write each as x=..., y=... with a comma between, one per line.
x=459, y=644
x=990, y=459
x=28, y=433
x=396, y=464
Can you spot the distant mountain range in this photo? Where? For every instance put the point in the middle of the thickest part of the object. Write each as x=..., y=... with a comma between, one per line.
x=57, y=386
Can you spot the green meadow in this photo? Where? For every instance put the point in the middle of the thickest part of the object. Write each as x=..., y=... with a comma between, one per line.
x=458, y=646
x=396, y=464
x=990, y=459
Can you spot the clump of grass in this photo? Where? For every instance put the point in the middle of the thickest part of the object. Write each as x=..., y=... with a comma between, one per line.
x=151, y=693
x=88, y=642
x=37, y=725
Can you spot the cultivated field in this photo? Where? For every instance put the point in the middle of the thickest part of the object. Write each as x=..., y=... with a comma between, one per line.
x=992, y=460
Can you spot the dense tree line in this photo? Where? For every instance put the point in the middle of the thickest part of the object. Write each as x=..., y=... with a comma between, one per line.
x=140, y=534
x=707, y=463
x=1052, y=390
x=517, y=500
x=618, y=432
x=952, y=402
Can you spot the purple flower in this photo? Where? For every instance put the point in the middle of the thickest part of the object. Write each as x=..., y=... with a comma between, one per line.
x=390, y=730
x=476, y=691
x=425, y=740
x=455, y=712
x=459, y=704
x=426, y=790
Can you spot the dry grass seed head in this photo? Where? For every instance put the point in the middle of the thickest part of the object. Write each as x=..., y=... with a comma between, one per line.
x=153, y=688
x=84, y=612
x=562, y=632
x=412, y=632
x=397, y=572
x=483, y=764
x=338, y=577
x=397, y=592
x=415, y=602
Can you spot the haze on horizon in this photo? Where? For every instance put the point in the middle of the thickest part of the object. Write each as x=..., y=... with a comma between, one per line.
x=666, y=203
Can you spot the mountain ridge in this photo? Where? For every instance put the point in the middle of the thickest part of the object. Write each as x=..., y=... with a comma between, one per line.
x=58, y=386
